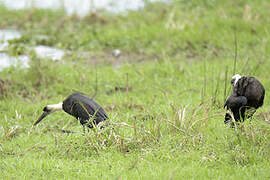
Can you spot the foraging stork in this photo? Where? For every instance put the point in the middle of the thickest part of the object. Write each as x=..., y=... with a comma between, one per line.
x=80, y=107
x=248, y=95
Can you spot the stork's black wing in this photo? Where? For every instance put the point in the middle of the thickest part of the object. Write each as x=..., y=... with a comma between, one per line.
x=84, y=108
x=86, y=112
x=252, y=89
x=237, y=105
x=235, y=102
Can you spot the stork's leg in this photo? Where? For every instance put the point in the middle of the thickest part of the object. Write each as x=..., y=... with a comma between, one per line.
x=83, y=129
x=251, y=112
x=228, y=118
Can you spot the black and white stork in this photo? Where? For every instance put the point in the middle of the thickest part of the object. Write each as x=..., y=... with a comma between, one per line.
x=247, y=96
x=79, y=106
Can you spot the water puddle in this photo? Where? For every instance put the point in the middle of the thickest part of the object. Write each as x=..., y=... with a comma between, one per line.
x=6, y=35
x=41, y=51
x=7, y=61
x=80, y=7
x=49, y=52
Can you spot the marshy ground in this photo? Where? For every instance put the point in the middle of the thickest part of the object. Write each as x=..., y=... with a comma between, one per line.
x=164, y=94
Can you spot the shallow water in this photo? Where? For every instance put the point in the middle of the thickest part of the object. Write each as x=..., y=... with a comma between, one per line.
x=7, y=61
x=41, y=51
x=80, y=7
x=6, y=35
x=49, y=52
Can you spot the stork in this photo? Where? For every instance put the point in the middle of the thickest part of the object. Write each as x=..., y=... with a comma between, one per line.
x=79, y=106
x=247, y=95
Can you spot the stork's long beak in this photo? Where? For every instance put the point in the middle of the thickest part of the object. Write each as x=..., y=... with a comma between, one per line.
x=43, y=115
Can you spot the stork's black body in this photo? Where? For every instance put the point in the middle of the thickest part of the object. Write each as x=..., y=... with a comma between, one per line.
x=248, y=95
x=86, y=110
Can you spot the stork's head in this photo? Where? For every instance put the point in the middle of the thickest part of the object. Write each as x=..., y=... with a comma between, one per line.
x=48, y=110
x=234, y=80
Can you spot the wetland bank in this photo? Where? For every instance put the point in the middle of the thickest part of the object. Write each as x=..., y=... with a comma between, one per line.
x=178, y=58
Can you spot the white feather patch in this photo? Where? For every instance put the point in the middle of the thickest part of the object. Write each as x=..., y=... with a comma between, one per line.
x=236, y=77
x=55, y=107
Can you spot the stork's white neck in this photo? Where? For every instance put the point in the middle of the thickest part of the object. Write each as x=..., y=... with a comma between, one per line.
x=236, y=77
x=55, y=107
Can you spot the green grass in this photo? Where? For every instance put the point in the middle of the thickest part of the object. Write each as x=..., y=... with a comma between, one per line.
x=176, y=57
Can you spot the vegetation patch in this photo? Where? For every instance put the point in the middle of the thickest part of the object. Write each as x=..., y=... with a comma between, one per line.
x=164, y=94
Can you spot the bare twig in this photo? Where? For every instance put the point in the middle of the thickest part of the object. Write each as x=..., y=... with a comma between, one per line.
x=127, y=88
x=235, y=51
x=169, y=122
x=56, y=140
x=135, y=128
x=96, y=87
x=216, y=91
x=195, y=122
x=225, y=83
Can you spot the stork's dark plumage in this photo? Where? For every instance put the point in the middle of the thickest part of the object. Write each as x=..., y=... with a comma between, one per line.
x=79, y=106
x=248, y=95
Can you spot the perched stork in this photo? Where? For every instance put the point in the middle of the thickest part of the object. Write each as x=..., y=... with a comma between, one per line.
x=247, y=95
x=79, y=106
